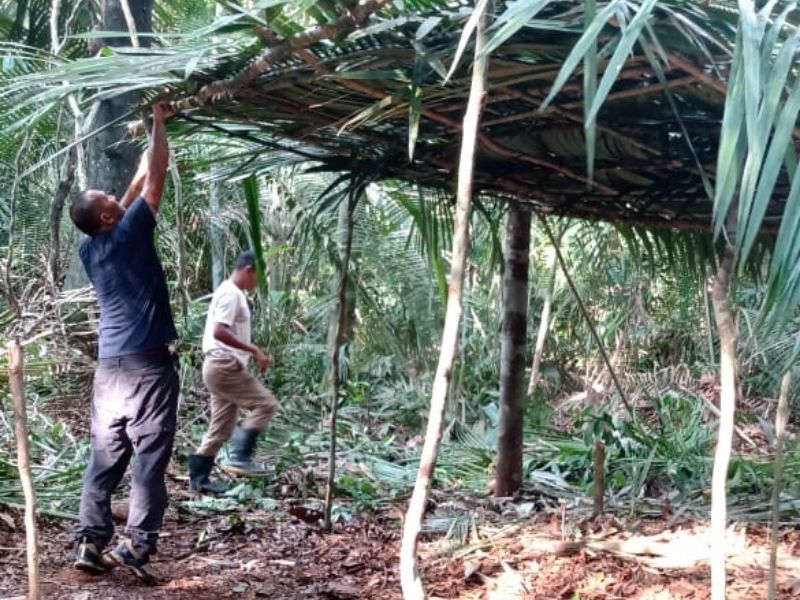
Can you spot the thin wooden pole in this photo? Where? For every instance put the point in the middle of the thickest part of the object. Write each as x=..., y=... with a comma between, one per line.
x=720, y=298
x=16, y=375
x=410, y=579
x=338, y=343
x=599, y=477
x=781, y=419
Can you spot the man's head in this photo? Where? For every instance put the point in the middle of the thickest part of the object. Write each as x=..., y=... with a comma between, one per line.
x=244, y=271
x=95, y=212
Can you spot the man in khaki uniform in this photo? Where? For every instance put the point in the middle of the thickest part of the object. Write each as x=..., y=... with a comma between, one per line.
x=227, y=350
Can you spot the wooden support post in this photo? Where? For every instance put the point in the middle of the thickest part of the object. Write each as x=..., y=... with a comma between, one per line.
x=599, y=477
x=781, y=419
x=410, y=578
x=338, y=344
x=16, y=374
x=720, y=298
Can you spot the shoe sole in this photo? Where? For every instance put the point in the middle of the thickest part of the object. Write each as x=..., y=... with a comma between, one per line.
x=243, y=472
x=142, y=574
x=90, y=567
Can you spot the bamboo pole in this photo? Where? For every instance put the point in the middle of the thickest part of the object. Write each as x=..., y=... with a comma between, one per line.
x=16, y=375
x=410, y=580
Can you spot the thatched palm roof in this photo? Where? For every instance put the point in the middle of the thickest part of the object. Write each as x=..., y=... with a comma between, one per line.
x=350, y=105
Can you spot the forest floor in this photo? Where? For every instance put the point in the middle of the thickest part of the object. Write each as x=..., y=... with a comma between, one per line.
x=538, y=547
x=279, y=554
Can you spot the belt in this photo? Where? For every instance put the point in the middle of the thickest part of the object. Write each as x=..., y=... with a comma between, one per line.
x=137, y=360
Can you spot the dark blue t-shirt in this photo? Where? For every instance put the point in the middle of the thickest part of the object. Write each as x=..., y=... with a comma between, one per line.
x=126, y=273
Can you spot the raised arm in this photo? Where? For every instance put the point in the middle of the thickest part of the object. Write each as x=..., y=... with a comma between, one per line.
x=137, y=183
x=157, y=159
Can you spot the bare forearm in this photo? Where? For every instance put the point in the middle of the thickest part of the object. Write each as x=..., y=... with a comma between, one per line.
x=137, y=183
x=157, y=162
x=225, y=335
x=159, y=148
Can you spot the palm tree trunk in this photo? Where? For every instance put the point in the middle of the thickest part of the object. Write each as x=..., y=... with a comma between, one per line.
x=410, y=580
x=544, y=322
x=720, y=299
x=508, y=478
x=339, y=341
x=112, y=156
x=16, y=381
x=781, y=419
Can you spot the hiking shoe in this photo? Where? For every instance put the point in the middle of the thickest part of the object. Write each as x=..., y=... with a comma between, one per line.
x=125, y=556
x=89, y=559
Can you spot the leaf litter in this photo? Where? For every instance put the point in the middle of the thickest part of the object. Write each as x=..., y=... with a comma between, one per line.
x=257, y=553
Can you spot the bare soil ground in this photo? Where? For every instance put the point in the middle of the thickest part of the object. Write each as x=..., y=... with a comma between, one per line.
x=258, y=554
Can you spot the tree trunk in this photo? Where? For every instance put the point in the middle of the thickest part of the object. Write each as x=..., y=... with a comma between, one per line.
x=544, y=323
x=726, y=330
x=344, y=237
x=57, y=212
x=339, y=341
x=410, y=580
x=112, y=156
x=508, y=478
x=781, y=419
x=9, y=291
x=217, y=236
x=215, y=228
x=16, y=377
x=599, y=478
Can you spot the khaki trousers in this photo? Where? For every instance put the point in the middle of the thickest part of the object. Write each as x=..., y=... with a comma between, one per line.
x=233, y=387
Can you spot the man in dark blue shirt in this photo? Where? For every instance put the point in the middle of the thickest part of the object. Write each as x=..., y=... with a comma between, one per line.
x=136, y=385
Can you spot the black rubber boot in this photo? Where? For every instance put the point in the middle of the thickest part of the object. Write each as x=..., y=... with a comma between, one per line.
x=199, y=471
x=243, y=446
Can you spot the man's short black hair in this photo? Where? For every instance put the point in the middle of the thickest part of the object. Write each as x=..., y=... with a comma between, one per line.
x=245, y=259
x=84, y=213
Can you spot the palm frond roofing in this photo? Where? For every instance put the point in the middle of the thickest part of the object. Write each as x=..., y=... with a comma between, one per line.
x=351, y=105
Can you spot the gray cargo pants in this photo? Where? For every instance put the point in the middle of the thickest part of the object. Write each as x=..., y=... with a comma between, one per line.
x=134, y=412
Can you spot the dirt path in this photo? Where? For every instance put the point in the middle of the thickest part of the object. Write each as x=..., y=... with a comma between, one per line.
x=259, y=554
